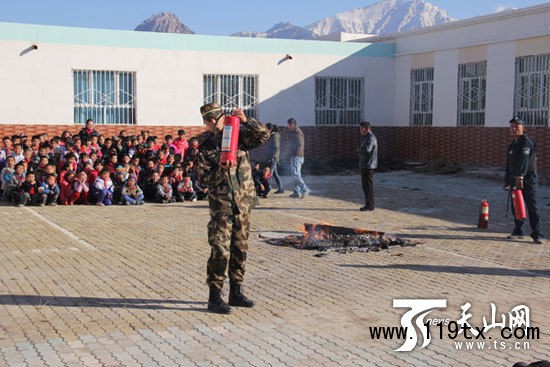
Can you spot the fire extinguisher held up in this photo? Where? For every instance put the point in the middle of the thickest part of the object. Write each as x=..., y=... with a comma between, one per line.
x=483, y=214
x=519, y=204
x=230, y=139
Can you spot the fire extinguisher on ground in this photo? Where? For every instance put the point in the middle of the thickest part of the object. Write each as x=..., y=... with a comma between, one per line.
x=483, y=214
x=519, y=204
x=230, y=140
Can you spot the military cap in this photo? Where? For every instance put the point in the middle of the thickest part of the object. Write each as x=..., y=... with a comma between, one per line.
x=517, y=120
x=213, y=108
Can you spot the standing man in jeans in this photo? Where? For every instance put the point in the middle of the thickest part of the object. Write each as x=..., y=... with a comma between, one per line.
x=368, y=162
x=296, y=137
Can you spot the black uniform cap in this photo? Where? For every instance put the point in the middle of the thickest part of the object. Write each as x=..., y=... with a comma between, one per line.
x=517, y=120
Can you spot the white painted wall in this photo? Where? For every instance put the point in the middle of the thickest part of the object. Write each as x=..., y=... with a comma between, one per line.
x=403, y=90
x=380, y=92
x=445, y=88
x=499, y=108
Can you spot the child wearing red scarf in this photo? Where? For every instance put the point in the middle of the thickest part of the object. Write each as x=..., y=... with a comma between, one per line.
x=164, y=191
x=131, y=192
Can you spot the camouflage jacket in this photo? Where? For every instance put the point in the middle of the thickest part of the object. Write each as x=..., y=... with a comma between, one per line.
x=231, y=190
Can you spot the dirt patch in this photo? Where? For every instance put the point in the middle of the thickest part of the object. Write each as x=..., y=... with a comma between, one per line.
x=439, y=168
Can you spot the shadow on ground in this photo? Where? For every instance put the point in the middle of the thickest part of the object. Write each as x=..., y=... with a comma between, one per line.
x=452, y=237
x=530, y=273
x=62, y=301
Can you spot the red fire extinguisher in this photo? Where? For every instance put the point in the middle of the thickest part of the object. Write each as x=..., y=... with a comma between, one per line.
x=230, y=139
x=519, y=204
x=483, y=214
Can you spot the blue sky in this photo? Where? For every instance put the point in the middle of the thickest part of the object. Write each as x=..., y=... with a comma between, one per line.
x=212, y=17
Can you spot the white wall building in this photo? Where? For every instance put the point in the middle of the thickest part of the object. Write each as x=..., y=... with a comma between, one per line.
x=163, y=79
x=478, y=71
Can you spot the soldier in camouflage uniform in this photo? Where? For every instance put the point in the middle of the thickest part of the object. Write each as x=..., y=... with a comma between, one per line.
x=231, y=197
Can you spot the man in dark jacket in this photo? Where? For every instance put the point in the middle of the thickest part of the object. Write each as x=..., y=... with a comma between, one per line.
x=368, y=162
x=87, y=132
x=274, y=155
x=521, y=173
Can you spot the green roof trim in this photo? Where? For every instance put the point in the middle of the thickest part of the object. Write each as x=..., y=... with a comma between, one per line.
x=190, y=42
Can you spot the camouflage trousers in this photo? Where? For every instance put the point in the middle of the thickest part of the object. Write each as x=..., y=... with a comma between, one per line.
x=228, y=238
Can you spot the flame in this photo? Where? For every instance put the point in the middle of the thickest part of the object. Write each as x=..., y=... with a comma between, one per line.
x=315, y=232
x=368, y=232
x=303, y=227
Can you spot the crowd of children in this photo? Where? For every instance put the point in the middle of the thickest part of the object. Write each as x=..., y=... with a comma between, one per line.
x=89, y=168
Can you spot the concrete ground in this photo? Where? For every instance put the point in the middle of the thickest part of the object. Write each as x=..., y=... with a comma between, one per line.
x=125, y=286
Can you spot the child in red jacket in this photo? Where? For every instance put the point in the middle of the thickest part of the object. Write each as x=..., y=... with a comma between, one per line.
x=66, y=188
x=81, y=189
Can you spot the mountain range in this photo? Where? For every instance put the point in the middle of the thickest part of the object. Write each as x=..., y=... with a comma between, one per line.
x=164, y=23
x=386, y=16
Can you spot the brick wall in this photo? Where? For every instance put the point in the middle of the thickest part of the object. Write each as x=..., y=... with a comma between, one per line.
x=476, y=146
x=107, y=130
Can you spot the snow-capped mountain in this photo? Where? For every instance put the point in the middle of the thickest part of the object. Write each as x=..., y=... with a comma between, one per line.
x=387, y=16
x=502, y=8
x=164, y=23
x=280, y=30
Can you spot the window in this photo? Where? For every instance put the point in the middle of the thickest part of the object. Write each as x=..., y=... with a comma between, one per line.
x=232, y=91
x=338, y=101
x=107, y=97
x=422, y=96
x=472, y=85
x=532, y=91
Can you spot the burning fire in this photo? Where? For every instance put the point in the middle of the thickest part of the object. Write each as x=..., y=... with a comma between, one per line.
x=325, y=231
x=325, y=237
x=316, y=232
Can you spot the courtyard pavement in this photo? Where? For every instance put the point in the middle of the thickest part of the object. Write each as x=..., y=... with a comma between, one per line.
x=125, y=286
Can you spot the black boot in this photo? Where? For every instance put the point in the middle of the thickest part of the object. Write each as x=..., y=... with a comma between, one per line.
x=236, y=298
x=216, y=303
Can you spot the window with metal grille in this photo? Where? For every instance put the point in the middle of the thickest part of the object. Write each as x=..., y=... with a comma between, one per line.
x=532, y=90
x=422, y=96
x=232, y=91
x=107, y=97
x=338, y=101
x=472, y=85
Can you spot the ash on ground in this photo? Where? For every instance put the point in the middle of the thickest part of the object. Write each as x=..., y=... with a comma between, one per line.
x=339, y=243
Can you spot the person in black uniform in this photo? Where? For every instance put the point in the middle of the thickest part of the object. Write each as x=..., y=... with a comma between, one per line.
x=368, y=162
x=521, y=173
